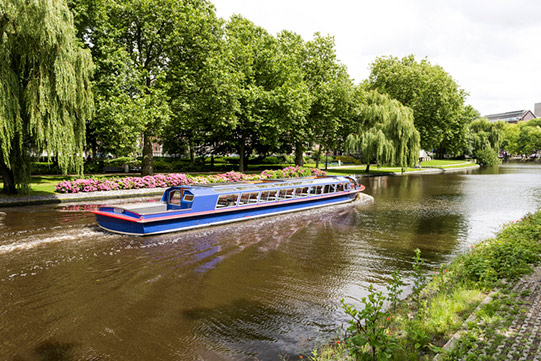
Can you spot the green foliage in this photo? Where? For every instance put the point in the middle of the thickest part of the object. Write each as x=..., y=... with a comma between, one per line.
x=394, y=289
x=45, y=168
x=348, y=159
x=324, y=159
x=485, y=140
x=338, y=351
x=332, y=94
x=509, y=255
x=523, y=137
x=45, y=92
x=368, y=336
x=202, y=87
x=433, y=95
x=282, y=159
x=385, y=131
x=151, y=59
x=487, y=157
x=121, y=161
x=419, y=278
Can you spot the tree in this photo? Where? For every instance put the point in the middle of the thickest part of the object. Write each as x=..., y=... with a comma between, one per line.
x=143, y=48
x=457, y=142
x=433, y=95
x=523, y=137
x=385, y=131
x=529, y=138
x=331, y=89
x=145, y=31
x=202, y=90
x=292, y=98
x=45, y=91
x=485, y=139
x=252, y=60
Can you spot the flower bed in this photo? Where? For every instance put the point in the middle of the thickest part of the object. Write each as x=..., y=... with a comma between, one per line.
x=169, y=180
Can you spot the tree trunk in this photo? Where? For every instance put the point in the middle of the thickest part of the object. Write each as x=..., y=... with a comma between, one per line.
x=94, y=149
x=8, y=177
x=299, y=160
x=192, y=153
x=241, y=153
x=147, y=166
x=326, y=159
x=367, y=167
x=318, y=155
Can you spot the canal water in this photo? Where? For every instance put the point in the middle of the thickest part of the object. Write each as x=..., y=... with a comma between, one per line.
x=255, y=290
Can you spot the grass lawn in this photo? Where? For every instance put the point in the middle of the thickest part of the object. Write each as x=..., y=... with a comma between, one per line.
x=41, y=185
x=373, y=170
x=443, y=163
x=46, y=184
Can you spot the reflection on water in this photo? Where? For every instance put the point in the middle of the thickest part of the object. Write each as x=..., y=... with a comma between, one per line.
x=262, y=288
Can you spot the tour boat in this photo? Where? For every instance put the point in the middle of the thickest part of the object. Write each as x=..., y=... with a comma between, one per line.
x=193, y=206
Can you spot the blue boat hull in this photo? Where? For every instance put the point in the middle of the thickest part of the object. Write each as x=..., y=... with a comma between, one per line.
x=165, y=224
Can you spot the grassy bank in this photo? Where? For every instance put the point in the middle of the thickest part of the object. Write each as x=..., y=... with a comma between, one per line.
x=418, y=327
x=46, y=184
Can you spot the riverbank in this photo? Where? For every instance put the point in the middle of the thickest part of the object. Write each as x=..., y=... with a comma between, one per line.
x=485, y=305
x=55, y=198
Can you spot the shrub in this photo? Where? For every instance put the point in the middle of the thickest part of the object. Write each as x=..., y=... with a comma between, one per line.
x=291, y=172
x=45, y=168
x=121, y=161
x=348, y=159
x=509, y=255
x=487, y=157
x=280, y=159
x=232, y=160
x=271, y=160
x=169, y=180
x=289, y=159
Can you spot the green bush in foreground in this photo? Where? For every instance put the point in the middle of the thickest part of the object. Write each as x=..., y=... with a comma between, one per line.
x=417, y=328
x=508, y=256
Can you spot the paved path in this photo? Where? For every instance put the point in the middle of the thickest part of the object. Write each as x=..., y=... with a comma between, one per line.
x=79, y=197
x=506, y=327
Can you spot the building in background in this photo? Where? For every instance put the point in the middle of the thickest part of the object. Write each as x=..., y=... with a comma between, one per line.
x=512, y=117
x=537, y=110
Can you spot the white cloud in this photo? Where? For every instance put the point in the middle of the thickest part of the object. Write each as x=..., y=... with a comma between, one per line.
x=490, y=47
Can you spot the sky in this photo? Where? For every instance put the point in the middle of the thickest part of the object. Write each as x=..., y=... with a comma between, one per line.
x=491, y=48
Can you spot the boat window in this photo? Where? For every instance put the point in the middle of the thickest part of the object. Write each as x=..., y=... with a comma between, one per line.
x=316, y=190
x=175, y=197
x=302, y=192
x=268, y=196
x=248, y=198
x=340, y=187
x=329, y=188
x=352, y=183
x=223, y=190
x=227, y=200
x=188, y=197
x=286, y=193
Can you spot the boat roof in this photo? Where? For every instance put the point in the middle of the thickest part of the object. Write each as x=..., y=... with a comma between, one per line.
x=260, y=185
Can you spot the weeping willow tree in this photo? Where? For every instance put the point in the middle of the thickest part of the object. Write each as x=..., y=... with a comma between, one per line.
x=485, y=140
x=45, y=94
x=385, y=131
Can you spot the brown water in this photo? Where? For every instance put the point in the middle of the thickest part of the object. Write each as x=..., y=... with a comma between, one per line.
x=254, y=290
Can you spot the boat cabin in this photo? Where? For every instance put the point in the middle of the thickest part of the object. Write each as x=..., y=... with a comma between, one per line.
x=220, y=196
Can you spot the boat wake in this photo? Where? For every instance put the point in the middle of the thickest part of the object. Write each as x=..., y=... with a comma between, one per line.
x=38, y=240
